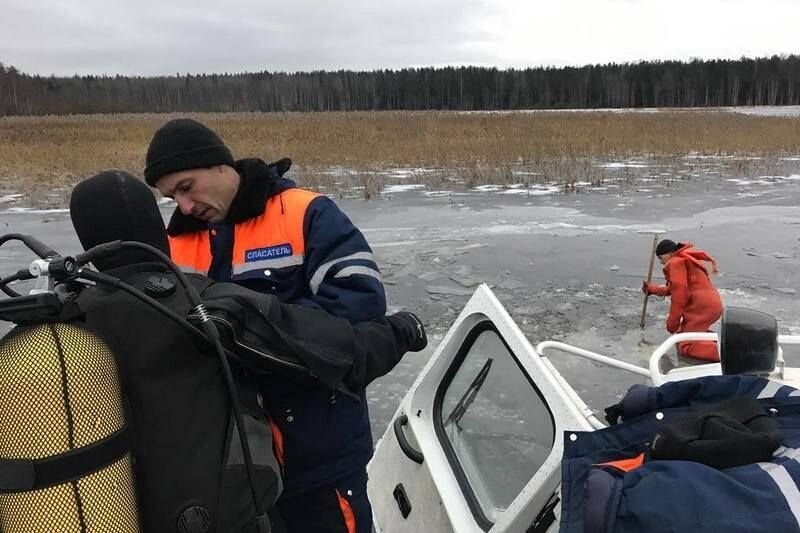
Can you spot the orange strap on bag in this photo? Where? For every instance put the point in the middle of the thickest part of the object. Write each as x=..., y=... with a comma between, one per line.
x=277, y=441
x=347, y=513
x=626, y=465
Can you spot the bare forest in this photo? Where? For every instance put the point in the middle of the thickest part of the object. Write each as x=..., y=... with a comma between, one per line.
x=743, y=82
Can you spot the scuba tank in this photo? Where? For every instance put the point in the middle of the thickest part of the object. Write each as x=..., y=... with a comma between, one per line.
x=81, y=447
x=65, y=456
x=65, y=460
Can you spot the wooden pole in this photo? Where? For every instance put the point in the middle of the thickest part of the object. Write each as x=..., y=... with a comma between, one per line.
x=649, y=277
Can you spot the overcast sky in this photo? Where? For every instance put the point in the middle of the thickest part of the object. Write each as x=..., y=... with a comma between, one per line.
x=151, y=37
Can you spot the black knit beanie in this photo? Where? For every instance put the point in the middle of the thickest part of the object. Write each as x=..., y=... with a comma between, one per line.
x=114, y=205
x=667, y=247
x=183, y=144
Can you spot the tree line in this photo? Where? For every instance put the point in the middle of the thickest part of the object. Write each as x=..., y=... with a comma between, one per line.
x=699, y=83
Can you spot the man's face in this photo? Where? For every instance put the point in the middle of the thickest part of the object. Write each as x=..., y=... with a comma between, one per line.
x=664, y=258
x=204, y=193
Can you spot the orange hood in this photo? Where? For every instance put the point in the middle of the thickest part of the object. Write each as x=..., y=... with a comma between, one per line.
x=696, y=257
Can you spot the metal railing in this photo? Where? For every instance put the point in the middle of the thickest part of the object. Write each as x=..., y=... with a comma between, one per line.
x=653, y=371
x=659, y=378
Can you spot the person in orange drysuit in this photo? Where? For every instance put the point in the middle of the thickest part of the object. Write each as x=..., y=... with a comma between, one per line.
x=695, y=303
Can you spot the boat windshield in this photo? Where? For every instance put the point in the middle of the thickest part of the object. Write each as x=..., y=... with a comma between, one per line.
x=496, y=427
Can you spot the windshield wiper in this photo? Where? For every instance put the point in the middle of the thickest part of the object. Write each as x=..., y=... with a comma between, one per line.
x=469, y=395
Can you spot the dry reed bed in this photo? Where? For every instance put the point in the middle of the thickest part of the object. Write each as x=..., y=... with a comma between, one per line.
x=42, y=153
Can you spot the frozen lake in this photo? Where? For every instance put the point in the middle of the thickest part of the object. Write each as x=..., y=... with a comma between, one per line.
x=567, y=266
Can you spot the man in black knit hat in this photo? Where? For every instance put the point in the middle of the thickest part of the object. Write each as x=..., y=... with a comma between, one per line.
x=242, y=221
x=188, y=465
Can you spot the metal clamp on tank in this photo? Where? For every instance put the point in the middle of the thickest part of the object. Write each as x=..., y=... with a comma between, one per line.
x=45, y=302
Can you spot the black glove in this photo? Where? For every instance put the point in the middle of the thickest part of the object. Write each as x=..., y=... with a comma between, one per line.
x=614, y=413
x=408, y=327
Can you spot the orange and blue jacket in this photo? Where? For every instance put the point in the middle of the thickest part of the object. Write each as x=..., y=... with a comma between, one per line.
x=611, y=483
x=300, y=246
